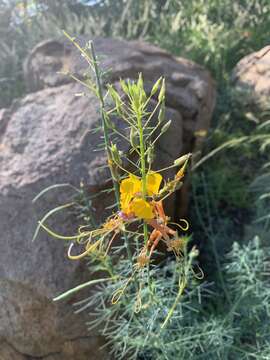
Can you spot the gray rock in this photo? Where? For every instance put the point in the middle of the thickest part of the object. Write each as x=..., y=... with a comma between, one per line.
x=190, y=88
x=44, y=140
x=251, y=80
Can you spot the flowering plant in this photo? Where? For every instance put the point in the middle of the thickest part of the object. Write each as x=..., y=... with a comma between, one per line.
x=138, y=223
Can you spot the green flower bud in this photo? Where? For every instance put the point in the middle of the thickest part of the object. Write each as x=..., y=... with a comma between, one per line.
x=161, y=95
x=182, y=159
x=156, y=86
x=161, y=114
x=150, y=155
x=166, y=126
x=140, y=81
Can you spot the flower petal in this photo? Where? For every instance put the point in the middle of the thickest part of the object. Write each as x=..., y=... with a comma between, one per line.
x=142, y=209
x=130, y=185
x=128, y=188
x=153, y=181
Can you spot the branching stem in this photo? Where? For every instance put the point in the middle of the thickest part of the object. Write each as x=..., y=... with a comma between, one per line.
x=106, y=134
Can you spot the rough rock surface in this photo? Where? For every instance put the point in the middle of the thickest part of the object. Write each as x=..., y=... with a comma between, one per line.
x=251, y=78
x=44, y=140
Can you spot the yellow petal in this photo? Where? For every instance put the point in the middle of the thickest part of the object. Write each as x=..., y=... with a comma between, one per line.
x=128, y=188
x=153, y=181
x=130, y=185
x=142, y=209
x=125, y=200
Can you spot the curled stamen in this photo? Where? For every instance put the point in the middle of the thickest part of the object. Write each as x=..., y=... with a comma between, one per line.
x=181, y=227
x=186, y=223
x=110, y=243
x=82, y=255
x=200, y=275
x=117, y=295
x=119, y=292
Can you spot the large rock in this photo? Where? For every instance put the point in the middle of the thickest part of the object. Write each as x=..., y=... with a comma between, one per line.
x=190, y=89
x=44, y=140
x=251, y=79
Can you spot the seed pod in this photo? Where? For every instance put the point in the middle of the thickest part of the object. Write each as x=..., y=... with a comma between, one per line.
x=165, y=127
x=150, y=155
x=161, y=114
x=156, y=86
x=182, y=159
x=182, y=170
x=161, y=95
x=140, y=81
x=142, y=96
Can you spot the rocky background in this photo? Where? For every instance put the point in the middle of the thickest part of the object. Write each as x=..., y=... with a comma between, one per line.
x=44, y=140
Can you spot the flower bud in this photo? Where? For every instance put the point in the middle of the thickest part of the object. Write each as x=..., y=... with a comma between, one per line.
x=161, y=114
x=140, y=81
x=156, y=86
x=165, y=127
x=181, y=172
x=194, y=252
x=150, y=155
x=182, y=159
x=161, y=95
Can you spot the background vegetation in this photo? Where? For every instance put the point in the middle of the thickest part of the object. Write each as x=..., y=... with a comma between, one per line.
x=230, y=203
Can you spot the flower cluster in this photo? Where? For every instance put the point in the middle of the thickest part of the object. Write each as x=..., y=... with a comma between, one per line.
x=134, y=206
x=132, y=202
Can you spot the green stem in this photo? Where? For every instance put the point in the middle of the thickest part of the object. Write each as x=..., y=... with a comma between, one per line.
x=143, y=167
x=106, y=136
x=144, y=189
x=80, y=287
x=176, y=301
x=103, y=117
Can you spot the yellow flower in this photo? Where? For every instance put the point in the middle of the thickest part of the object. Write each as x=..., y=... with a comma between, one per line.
x=130, y=195
x=142, y=209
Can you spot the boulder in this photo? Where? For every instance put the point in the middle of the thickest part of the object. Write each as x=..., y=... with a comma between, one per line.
x=190, y=88
x=251, y=79
x=46, y=139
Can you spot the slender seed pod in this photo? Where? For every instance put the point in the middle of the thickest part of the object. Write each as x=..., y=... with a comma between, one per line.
x=150, y=155
x=161, y=114
x=165, y=127
x=161, y=95
x=182, y=159
x=156, y=86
